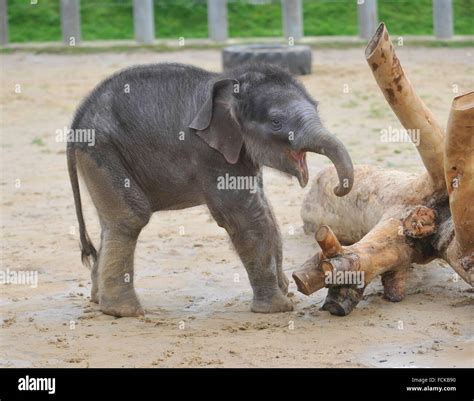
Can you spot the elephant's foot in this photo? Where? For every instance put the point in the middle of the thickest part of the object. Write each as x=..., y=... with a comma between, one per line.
x=274, y=304
x=123, y=305
x=340, y=301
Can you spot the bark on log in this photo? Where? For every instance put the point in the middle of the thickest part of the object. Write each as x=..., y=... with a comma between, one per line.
x=407, y=105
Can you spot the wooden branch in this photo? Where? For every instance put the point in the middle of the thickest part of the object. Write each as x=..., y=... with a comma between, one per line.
x=383, y=249
x=459, y=170
x=328, y=242
x=310, y=278
x=394, y=284
x=407, y=105
x=459, y=167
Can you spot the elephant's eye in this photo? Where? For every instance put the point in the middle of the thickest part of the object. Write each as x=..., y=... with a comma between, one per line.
x=276, y=124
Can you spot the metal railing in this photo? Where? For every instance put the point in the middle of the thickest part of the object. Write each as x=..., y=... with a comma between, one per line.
x=217, y=21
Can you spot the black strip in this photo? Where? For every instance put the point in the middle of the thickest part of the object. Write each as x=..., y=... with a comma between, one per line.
x=241, y=384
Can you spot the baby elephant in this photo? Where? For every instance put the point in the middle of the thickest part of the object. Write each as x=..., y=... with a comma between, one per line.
x=171, y=136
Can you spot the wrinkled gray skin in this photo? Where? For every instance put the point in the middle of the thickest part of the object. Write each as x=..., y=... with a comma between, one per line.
x=162, y=144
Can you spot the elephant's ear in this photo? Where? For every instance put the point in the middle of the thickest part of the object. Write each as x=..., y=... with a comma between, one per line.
x=215, y=122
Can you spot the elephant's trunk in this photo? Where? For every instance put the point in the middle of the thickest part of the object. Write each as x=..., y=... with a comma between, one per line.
x=328, y=145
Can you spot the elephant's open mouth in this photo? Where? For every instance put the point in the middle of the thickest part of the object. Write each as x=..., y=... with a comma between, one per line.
x=301, y=167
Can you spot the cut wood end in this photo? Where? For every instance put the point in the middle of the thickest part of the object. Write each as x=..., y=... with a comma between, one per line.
x=300, y=283
x=326, y=267
x=322, y=233
x=464, y=101
x=308, y=281
x=310, y=277
x=420, y=222
x=380, y=33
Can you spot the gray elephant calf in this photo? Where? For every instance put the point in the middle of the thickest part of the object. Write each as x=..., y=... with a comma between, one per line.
x=165, y=135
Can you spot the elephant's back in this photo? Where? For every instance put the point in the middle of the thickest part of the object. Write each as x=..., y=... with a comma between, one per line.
x=143, y=100
x=142, y=114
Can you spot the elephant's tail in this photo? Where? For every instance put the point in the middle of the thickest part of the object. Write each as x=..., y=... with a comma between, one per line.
x=88, y=251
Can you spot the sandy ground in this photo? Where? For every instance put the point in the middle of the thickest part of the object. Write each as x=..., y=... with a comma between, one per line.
x=189, y=279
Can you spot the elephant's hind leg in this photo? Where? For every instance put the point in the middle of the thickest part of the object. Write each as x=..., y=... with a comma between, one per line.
x=95, y=270
x=117, y=295
x=123, y=211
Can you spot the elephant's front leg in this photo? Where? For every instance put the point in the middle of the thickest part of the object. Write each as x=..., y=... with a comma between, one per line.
x=256, y=238
x=283, y=281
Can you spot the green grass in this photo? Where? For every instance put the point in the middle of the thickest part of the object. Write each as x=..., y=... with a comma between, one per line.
x=106, y=19
x=259, y=20
x=330, y=17
x=407, y=17
x=180, y=18
x=113, y=19
x=38, y=141
x=33, y=23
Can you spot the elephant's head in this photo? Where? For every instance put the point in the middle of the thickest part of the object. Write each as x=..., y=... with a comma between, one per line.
x=266, y=111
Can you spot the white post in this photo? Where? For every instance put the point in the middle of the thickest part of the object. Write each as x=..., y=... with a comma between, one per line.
x=144, y=21
x=71, y=22
x=217, y=20
x=368, y=19
x=3, y=23
x=443, y=19
x=292, y=15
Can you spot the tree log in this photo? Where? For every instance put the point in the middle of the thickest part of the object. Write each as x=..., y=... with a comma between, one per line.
x=459, y=169
x=377, y=194
x=383, y=249
x=406, y=104
x=392, y=219
x=406, y=233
